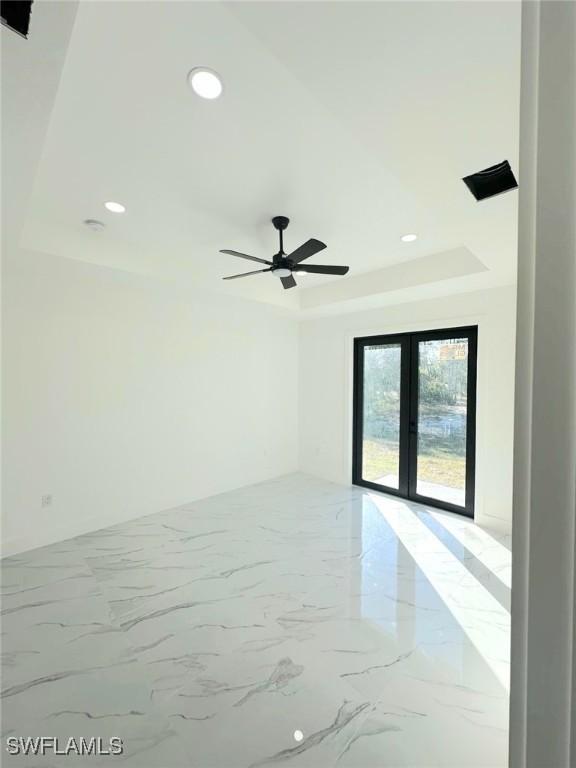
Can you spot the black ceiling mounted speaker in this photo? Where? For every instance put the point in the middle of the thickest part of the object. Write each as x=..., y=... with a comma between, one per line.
x=283, y=265
x=16, y=15
x=491, y=181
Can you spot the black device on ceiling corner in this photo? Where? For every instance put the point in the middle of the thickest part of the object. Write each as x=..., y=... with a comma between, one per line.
x=491, y=181
x=16, y=15
x=283, y=265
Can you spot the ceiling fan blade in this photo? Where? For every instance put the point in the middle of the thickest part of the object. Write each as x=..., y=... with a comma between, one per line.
x=322, y=269
x=309, y=248
x=288, y=282
x=245, y=274
x=246, y=256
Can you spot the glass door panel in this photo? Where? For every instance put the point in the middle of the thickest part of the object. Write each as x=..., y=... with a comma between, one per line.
x=441, y=419
x=381, y=415
x=415, y=416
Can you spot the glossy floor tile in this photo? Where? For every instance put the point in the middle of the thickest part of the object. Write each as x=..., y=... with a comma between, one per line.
x=206, y=636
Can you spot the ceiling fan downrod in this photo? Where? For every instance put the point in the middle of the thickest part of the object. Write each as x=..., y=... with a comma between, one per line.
x=281, y=223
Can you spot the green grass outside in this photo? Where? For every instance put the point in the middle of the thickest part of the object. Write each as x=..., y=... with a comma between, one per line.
x=381, y=458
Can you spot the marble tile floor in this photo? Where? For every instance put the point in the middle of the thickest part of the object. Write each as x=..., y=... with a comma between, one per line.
x=205, y=636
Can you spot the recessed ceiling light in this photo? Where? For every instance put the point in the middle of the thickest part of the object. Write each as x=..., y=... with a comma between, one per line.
x=205, y=82
x=409, y=238
x=115, y=207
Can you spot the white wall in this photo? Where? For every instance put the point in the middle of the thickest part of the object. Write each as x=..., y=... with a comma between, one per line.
x=123, y=397
x=543, y=669
x=326, y=346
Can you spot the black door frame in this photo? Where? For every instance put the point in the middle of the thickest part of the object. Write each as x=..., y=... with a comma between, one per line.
x=409, y=414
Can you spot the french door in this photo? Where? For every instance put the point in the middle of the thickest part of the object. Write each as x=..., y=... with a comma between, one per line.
x=415, y=416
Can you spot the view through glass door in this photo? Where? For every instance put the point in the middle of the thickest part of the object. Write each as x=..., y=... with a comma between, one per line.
x=414, y=416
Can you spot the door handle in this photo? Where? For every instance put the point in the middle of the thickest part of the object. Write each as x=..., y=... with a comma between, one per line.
x=413, y=427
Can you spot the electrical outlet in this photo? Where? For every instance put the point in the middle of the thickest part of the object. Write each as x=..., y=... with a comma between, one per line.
x=47, y=500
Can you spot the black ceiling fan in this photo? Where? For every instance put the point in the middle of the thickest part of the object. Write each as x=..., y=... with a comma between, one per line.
x=283, y=265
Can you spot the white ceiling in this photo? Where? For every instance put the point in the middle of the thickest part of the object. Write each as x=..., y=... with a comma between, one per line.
x=357, y=120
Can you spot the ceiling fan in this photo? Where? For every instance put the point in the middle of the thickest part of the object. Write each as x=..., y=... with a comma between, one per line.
x=283, y=265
